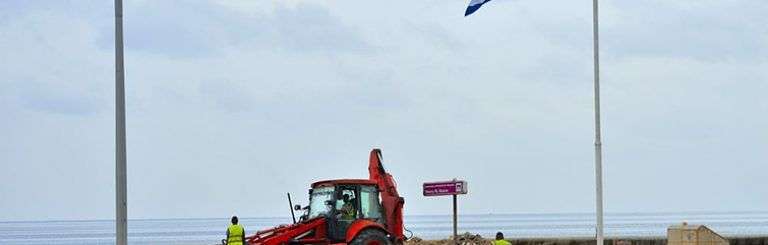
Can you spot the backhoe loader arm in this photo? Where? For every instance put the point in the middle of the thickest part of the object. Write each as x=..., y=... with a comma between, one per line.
x=391, y=201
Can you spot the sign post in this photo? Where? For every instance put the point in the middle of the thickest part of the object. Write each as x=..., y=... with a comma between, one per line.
x=455, y=221
x=448, y=188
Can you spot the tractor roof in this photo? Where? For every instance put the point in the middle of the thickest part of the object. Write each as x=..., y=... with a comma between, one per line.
x=343, y=182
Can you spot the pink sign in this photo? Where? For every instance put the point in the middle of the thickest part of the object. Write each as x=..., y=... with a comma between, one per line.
x=445, y=188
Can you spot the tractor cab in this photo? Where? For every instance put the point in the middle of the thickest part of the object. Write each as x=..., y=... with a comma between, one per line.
x=342, y=203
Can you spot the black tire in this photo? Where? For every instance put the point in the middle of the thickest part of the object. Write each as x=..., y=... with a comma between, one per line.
x=371, y=237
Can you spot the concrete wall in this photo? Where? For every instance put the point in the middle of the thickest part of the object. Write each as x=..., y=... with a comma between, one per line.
x=638, y=241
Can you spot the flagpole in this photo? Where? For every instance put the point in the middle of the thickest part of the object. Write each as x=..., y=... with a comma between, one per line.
x=598, y=143
x=121, y=214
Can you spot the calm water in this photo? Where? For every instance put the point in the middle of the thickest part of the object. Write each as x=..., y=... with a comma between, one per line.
x=209, y=231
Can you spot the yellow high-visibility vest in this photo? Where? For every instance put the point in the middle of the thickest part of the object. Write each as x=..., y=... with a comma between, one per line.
x=348, y=212
x=235, y=235
x=501, y=242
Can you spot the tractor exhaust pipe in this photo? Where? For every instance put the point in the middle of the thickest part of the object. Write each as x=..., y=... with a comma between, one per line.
x=290, y=206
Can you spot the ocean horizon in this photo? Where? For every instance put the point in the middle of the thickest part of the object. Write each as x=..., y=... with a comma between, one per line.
x=521, y=226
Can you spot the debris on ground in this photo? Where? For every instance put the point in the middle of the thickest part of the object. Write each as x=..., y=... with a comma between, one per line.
x=464, y=239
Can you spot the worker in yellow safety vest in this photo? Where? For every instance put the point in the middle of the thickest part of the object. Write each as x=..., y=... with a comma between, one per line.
x=500, y=239
x=235, y=233
x=348, y=209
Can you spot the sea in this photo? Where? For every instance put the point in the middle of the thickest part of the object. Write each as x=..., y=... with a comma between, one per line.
x=209, y=231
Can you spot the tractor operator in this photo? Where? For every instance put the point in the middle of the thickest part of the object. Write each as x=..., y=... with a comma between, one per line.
x=235, y=233
x=348, y=208
x=500, y=239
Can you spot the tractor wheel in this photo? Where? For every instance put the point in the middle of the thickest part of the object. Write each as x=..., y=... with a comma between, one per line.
x=371, y=237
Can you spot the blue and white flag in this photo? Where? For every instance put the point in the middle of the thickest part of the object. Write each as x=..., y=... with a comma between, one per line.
x=474, y=5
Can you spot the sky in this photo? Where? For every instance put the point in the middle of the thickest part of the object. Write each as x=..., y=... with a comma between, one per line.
x=231, y=104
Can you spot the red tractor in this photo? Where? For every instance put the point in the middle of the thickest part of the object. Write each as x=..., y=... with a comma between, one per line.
x=355, y=211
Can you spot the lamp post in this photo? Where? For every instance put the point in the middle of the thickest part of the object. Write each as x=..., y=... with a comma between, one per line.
x=598, y=142
x=121, y=205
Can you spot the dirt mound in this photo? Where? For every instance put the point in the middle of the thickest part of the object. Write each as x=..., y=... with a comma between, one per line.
x=464, y=239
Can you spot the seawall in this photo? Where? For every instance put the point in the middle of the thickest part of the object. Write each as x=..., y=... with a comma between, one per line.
x=761, y=240
x=757, y=240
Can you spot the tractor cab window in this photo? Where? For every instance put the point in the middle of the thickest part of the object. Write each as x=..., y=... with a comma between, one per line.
x=346, y=204
x=319, y=200
x=369, y=203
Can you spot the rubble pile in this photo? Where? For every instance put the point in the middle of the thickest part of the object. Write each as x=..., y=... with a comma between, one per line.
x=464, y=239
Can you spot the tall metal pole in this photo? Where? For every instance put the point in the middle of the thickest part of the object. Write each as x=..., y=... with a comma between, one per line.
x=598, y=143
x=121, y=215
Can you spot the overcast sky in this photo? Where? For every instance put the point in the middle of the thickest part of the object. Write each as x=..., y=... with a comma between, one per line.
x=231, y=104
